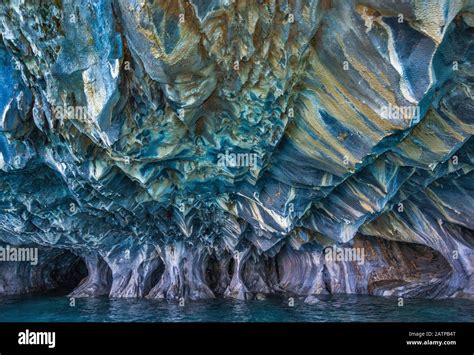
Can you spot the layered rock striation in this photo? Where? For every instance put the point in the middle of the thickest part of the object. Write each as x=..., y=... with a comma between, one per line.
x=198, y=149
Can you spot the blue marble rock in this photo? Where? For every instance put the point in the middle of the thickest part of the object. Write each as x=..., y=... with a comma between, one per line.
x=199, y=149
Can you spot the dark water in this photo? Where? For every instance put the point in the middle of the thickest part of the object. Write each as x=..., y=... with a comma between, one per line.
x=333, y=309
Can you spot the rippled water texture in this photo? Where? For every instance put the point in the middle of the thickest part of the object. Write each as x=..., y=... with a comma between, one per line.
x=333, y=309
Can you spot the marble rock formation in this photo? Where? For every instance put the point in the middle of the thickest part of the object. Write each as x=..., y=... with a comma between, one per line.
x=194, y=149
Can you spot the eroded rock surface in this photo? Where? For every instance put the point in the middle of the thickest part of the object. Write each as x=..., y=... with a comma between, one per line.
x=194, y=149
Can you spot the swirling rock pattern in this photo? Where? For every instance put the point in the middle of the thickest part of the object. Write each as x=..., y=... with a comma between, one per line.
x=196, y=149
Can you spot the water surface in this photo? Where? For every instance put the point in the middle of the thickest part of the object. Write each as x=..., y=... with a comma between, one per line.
x=343, y=308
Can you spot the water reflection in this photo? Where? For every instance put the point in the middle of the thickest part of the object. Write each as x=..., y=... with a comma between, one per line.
x=343, y=308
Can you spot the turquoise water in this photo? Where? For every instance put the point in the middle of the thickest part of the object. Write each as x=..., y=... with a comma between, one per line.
x=334, y=309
